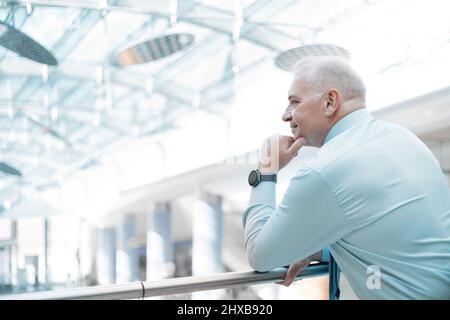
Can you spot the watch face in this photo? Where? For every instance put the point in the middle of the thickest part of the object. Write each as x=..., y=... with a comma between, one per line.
x=253, y=177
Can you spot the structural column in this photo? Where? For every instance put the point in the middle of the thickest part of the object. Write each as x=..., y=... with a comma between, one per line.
x=46, y=252
x=207, y=232
x=128, y=253
x=14, y=255
x=106, y=255
x=159, y=243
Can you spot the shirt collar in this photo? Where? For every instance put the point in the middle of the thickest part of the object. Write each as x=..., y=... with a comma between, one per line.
x=347, y=122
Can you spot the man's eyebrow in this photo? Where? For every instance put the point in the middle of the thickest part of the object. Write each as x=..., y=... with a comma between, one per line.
x=293, y=97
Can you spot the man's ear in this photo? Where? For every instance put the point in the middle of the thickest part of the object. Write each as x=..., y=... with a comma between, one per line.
x=332, y=102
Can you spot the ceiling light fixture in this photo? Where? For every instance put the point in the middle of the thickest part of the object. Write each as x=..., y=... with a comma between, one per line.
x=8, y=169
x=153, y=49
x=18, y=42
x=287, y=59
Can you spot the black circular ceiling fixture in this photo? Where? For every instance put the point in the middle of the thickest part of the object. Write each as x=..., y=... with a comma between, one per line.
x=153, y=49
x=18, y=42
x=287, y=59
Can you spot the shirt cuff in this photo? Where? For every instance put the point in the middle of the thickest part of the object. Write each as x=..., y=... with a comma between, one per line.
x=263, y=193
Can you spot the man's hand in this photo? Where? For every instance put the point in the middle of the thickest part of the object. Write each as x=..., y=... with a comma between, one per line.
x=297, y=267
x=277, y=151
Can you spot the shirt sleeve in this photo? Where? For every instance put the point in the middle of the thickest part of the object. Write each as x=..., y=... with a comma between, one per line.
x=325, y=254
x=307, y=220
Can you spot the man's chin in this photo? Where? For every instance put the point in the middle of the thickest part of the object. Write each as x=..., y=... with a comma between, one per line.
x=307, y=143
x=298, y=136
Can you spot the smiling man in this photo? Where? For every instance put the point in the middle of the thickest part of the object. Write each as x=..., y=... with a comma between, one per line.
x=374, y=196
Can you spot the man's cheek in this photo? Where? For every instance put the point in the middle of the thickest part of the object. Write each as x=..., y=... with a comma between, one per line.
x=298, y=133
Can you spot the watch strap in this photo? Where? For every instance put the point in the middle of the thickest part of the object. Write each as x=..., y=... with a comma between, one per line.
x=268, y=177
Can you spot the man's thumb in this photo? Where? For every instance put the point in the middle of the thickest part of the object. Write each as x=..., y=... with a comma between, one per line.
x=297, y=145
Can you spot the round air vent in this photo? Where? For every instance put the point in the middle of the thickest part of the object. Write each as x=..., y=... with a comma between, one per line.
x=287, y=59
x=153, y=49
x=18, y=42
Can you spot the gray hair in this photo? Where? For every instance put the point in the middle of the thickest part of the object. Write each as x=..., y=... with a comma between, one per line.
x=325, y=72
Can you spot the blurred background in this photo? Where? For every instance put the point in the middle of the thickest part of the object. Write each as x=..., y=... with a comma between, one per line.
x=128, y=127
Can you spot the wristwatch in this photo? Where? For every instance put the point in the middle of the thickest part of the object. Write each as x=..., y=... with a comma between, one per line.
x=255, y=177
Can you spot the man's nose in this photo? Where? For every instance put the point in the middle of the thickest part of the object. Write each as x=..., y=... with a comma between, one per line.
x=287, y=115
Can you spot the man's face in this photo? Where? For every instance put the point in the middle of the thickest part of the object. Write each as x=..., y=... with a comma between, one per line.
x=305, y=113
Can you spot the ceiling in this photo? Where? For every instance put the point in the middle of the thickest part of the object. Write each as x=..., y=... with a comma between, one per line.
x=66, y=127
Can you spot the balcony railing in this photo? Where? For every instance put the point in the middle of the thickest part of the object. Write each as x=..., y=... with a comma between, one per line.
x=144, y=289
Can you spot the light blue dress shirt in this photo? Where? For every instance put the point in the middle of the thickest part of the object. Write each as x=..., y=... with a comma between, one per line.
x=376, y=196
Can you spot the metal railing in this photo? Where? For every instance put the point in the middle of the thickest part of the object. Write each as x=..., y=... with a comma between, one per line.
x=144, y=289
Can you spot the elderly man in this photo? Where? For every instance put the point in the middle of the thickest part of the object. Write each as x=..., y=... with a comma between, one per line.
x=374, y=196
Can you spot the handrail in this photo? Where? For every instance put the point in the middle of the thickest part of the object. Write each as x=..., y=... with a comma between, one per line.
x=143, y=289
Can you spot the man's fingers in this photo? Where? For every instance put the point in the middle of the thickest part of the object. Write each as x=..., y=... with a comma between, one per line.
x=292, y=273
x=290, y=277
x=296, y=146
x=288, y=281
